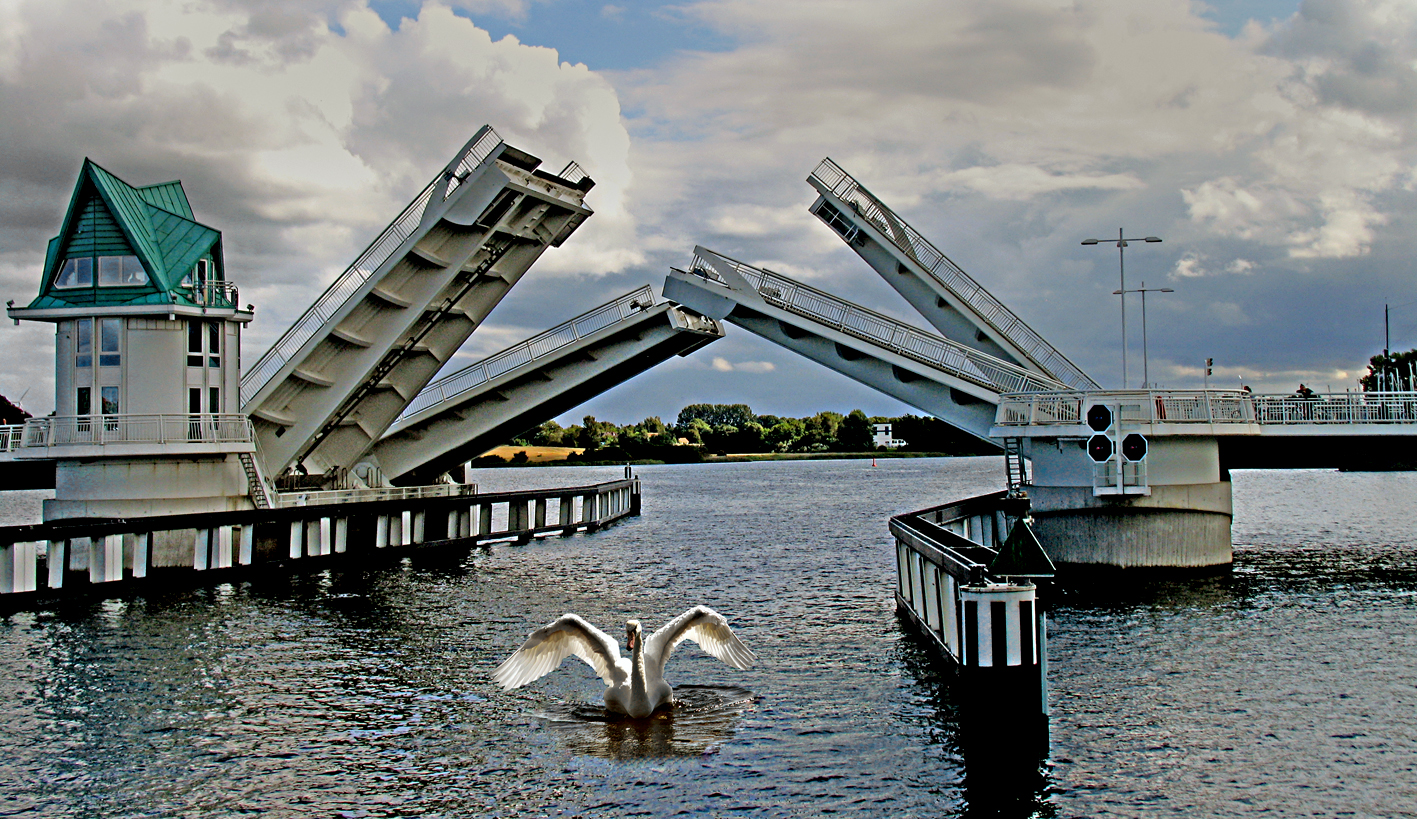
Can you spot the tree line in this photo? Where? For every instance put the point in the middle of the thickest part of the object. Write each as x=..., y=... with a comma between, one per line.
x=734, y=428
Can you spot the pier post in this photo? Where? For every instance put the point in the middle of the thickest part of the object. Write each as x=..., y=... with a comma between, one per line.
x=142, y=545
x=1003, y=664
x=201, y=546
x=420, y=519
x=539, y=521
x=484, y=519
x=381, y=532
x=248, y=544
x=297, y=537
x=341, y=535
x=223, y=547
x=405, y=521
x=56, y=561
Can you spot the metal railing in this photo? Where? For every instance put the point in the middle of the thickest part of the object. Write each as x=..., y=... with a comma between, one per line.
x=956, y=359
x=949, y=275
x=1211, y=407
x=215, y=294
x=287, y=500
x=98, y=430
x=12, y=437
x=384, y=247
x=536, y=347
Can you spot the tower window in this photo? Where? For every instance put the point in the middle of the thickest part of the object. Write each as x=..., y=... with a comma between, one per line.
x=109, y=330
x=83, y=343
x=194, y=344
x=118, y=271
x=213, y=344
x=75, y=273
x=83, y=401
x=108, y=396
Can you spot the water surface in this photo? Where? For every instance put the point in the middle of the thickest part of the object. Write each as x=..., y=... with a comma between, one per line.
x=1285, y=687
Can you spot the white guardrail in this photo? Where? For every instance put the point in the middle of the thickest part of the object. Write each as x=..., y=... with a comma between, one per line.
x=91, y=430
x=286, y=500
x=536, y=347
x=956, y=359
x=948, y=274
x=374, y=256
x=1210, y=407
x=12, y=437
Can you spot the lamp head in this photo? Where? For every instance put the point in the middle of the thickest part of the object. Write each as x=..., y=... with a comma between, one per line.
x=1152, y=239
x=1089, y=241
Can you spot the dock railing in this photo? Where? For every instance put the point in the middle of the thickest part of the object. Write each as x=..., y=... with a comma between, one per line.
x=65, y=556
x=956, y=359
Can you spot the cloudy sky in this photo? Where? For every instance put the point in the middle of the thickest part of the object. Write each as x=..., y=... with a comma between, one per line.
x=1270, y=143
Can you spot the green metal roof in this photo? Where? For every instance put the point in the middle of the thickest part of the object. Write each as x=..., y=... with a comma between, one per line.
x=156, y=225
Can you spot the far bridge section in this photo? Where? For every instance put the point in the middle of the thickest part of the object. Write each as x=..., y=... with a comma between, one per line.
x=936, y=287
x=331, y=386
x=953, y=382
x=463, y=415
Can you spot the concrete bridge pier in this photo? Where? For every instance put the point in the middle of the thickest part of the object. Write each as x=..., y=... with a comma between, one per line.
x=1177, y=516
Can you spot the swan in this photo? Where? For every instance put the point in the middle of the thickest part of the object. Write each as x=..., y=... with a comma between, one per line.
x=636, y=683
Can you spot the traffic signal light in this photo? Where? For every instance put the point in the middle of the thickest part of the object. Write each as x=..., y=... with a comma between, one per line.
x=1134, y=447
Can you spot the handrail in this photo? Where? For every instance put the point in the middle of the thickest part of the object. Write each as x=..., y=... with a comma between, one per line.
x=949, y=275
x=11, y=437
x=532, y=349
x=956, y=359
x=215, y=294
x=97, y=430
x=379, y=251
x=288, y=500
x=1210, y=407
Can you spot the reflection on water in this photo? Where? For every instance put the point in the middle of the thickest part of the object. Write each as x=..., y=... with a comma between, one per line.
x=1005, y=773
x=702, y=718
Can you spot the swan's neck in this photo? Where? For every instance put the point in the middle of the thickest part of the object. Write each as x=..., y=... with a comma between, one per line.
x=637, y=667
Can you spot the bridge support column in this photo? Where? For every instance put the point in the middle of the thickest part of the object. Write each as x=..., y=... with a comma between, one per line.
x=1182, y=522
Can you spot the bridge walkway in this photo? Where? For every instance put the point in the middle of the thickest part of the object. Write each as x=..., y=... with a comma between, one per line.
x=336, y=380
x=947, y=297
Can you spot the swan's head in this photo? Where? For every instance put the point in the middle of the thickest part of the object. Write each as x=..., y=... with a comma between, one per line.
x=632, y=633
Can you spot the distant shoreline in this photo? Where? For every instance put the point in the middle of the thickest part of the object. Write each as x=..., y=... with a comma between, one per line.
x=743, y=457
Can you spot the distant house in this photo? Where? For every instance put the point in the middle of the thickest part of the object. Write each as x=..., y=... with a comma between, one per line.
x=881, y=436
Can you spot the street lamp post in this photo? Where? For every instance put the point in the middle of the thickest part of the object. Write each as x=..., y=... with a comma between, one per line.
x=1122, y=268
x=1143, y=290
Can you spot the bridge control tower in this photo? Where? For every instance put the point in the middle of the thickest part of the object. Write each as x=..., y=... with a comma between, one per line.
x=147, y=341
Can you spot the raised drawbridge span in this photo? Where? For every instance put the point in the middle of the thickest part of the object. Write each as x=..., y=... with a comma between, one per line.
x=947, y=297
x=480, y=406
x=334, y=382
x=952, y=381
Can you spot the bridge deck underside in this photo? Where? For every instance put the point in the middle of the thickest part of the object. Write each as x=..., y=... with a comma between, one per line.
x=959, y=403
x=355, y=373
x=421, y=448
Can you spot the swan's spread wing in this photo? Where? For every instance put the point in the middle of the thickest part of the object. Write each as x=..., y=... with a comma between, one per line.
x=546, y=647
x=704, y=626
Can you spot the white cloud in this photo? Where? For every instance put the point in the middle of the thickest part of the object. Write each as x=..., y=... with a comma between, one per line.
x=723, y=365
x=297, y=141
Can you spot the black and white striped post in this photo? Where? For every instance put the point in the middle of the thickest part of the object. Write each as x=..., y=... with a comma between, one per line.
x=970, y=589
